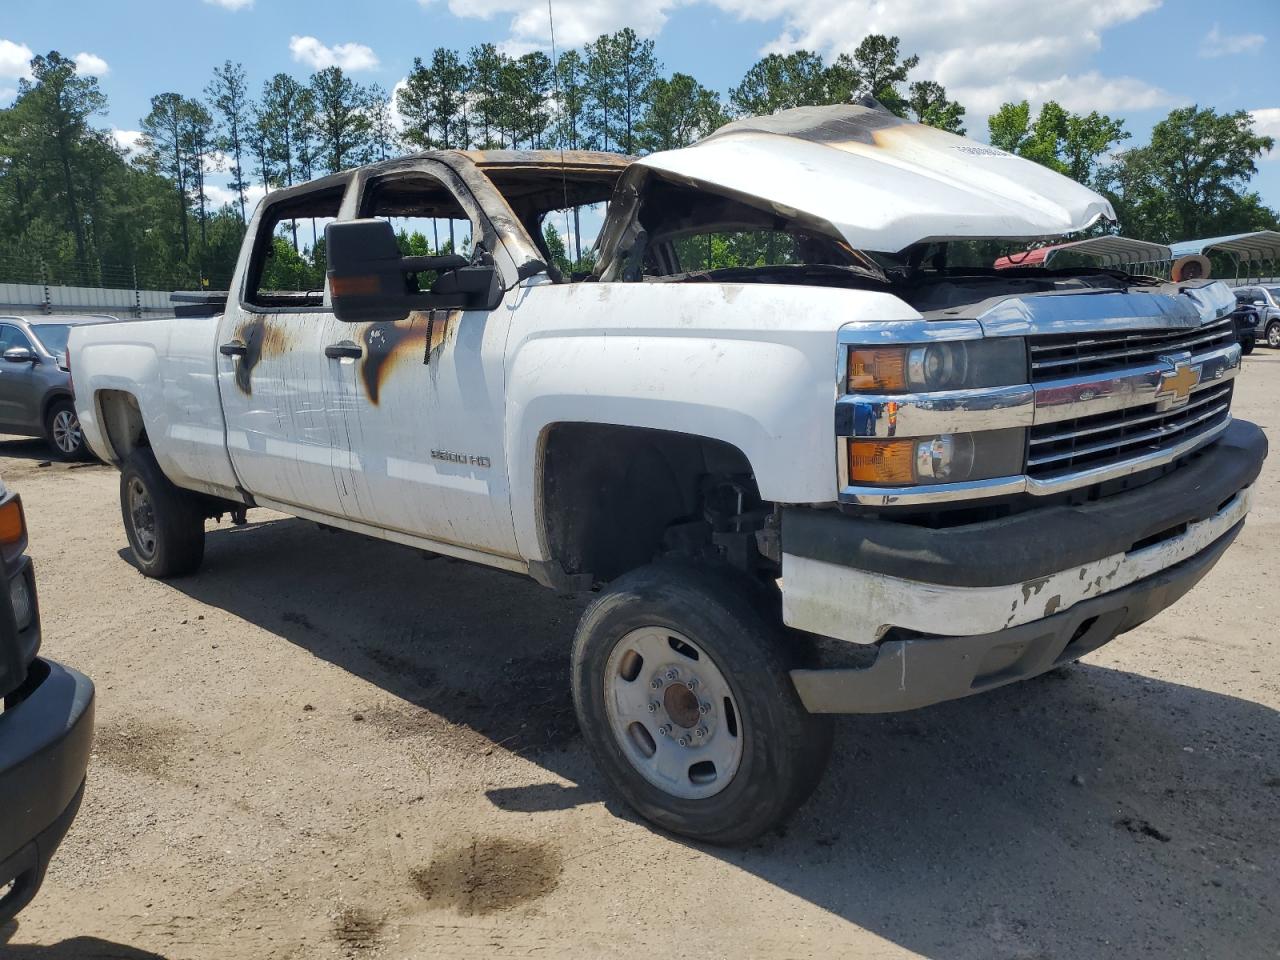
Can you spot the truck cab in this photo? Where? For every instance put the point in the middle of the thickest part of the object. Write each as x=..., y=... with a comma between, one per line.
x=810, y=452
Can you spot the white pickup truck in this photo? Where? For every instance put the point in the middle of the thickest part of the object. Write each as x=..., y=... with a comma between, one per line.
x=851, y=474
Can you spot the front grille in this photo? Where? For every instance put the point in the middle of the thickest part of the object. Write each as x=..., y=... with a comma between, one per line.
x=1070, y=355
x=1103, y=439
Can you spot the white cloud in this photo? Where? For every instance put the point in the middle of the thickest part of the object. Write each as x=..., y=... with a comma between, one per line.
x=1076, y=92
x=91, y=65
x=15, y=59
x=220, y=196
x=1267, y=121
x=129, y=141
x=1219, y=44
x=576, y=21
x=231, y=4
x=349, y=56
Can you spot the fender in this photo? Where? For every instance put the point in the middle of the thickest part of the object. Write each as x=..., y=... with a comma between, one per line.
x=168, y=367
x=752, y=365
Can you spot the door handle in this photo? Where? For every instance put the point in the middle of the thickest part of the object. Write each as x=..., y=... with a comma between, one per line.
x=233, y=349
x=343, y=349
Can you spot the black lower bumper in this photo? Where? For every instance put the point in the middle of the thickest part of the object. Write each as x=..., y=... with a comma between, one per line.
x=46, y=733
x=912, y=673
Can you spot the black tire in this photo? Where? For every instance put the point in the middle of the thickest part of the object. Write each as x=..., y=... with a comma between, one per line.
x=784, y=748
x=1246, y=346
x=1273, y=334
x=164, y=523
x=62, y=432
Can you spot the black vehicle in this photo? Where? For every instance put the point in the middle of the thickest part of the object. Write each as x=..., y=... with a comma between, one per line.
x=46, y=728
x=1247, y=320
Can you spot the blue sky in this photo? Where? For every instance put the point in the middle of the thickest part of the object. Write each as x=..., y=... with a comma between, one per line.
x=1131, y=58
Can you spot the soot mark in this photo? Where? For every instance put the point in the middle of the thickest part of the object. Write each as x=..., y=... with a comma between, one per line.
x=489, y=875
x=387, y=343
x=261, y=339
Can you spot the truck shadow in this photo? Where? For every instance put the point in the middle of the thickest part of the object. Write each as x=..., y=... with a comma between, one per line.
x=76, y=948
x=1090, y=812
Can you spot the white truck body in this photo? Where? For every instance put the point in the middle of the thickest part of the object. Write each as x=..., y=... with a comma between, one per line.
x=1071, y=466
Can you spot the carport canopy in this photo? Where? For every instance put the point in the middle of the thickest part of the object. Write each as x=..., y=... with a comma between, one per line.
x=1108, y=251
x=1244, y=247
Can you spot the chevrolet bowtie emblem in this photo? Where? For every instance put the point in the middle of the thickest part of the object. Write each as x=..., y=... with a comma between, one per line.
x=1176, y=385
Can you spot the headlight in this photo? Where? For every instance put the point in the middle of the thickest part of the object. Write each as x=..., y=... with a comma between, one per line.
x=945, y=458
x=946, y=365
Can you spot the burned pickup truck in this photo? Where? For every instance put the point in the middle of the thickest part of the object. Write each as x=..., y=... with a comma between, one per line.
x=809, y=459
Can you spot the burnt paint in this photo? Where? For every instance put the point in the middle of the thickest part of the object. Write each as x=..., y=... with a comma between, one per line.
x=261, y=339
x=419, y=337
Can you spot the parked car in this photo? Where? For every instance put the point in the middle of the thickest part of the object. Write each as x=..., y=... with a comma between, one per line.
x=1248, y=320
x=35, y=385
x=46, y=728
x=1266, y=298
x=810, y=462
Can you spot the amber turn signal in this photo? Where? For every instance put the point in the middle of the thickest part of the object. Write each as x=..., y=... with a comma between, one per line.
x=877, y=369
x=13, y=525
x=357, y=286
x=882, y=461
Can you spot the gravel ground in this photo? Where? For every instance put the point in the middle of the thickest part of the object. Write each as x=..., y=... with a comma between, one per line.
x=324, y=746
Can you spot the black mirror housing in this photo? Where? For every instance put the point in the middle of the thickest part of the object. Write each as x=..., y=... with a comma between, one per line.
x=370, y=280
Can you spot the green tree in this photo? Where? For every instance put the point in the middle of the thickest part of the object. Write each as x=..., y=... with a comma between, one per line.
x=602, y=100
x=416, y=100
x=681, y=111
x=55, y=105
x=555, y=247
x=228, y=93
x=1192, y=179
x=779, y=82
x=927, y=103
x=484, y=66
x=198, y=145
x=164, y=144
x=342, y=121
x=879, y=72
x=384, y=141
x=1071, y=143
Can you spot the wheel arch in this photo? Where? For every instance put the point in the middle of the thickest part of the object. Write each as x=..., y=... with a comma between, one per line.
x=120, y=415
x=607, y=495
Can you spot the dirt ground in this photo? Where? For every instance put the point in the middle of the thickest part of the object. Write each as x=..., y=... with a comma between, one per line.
x=324, y=746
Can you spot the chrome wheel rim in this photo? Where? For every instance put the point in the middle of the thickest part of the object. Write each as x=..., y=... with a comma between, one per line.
x=1273, y=336
x=66, y=431
x=142, y=517
x=672, y=713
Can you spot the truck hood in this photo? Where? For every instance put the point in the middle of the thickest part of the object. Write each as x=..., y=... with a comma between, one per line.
x=880, y=182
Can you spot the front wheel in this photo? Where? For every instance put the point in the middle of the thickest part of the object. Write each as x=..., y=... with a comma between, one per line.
x=1273, y=335
x=164, y=523
x=683, y=692
x=62, y=430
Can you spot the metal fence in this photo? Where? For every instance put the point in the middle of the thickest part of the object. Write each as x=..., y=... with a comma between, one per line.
x=34, y=286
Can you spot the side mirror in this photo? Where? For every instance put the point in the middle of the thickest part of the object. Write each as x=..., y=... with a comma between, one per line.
x=20, y=355
x=370, y=280
x=1259, y=303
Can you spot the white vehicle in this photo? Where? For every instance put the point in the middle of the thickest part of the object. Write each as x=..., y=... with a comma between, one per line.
x=852, y=476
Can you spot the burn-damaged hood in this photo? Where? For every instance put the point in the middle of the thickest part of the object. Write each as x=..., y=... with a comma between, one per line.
x=879, y=182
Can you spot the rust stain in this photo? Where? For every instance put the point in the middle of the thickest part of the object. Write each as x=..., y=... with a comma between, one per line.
x=261, y=339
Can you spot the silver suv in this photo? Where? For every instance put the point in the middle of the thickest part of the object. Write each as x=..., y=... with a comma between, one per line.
x=35, y=381
x=1266, y=299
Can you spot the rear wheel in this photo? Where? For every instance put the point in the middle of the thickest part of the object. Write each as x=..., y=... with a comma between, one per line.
x=1273, y=335
x=62, y=430
x=164, y=523
x=683, y=692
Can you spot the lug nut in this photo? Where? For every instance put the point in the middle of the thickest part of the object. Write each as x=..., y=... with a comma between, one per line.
x=672, y=673
x=653, y=706
x=656, y=682
x=683, y=741
x=692, y=684
x=704, y=708
x=700, y=732
x=664, y=730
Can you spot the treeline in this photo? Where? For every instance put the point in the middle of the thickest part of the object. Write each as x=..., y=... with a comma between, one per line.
x=77, y=207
